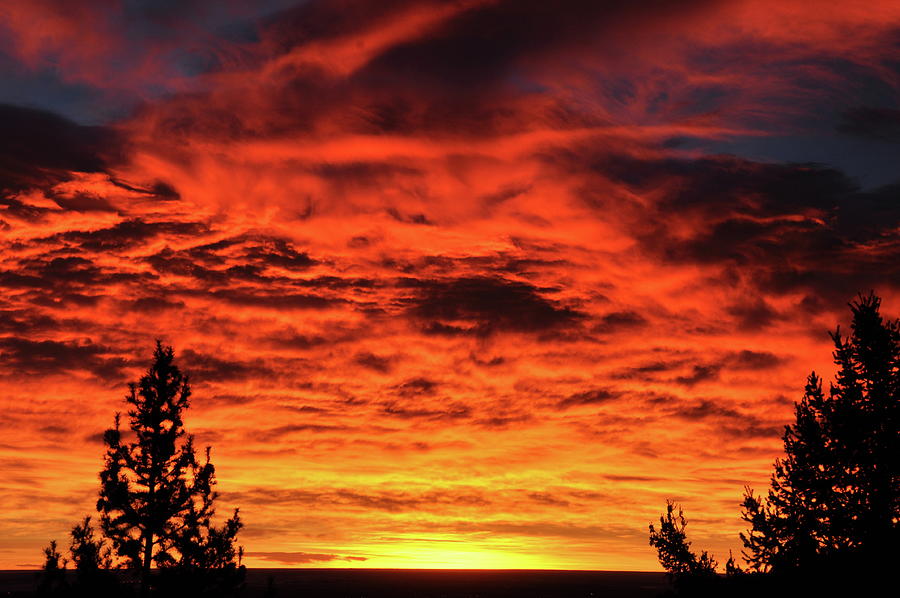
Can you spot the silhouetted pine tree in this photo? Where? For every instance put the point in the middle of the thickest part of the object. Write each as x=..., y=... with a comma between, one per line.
x=835, y=497
x=682, y=565
x=830, y=522
x=92, y=558
x=156, y=499
x=52, y=578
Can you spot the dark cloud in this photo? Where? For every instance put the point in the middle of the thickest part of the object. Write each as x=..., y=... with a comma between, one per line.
x=619, y=320
x=752, y=431
x=206, y=368
x=322, y=20
x=408, y=218
x=160, y=190
x=153, y=304
x=81, y=202
x=54, y=430
x=867, y=216
x=449, y=413
x=705, y=409
x=703, y=371
x=253, y=249
x=728, y=421
x=40, y=148
x=480, y=47
x=595, y=396
x=19, y=209
x=700, y=373
x=60, y=280
x=67, y=270
x=243, y=258
x=748, y=243
x=501, y=422
x=464, y=75
x=880, y=124
x=30, y=321
x=364, y=174
x=127, y=234
x=753, y=314
x=278, y=252
x=65, y=299
x=302, y=342
x=783, y=228
x=483, y=305
x=374, y=362
x=717, y=186
x=21, y=356
x=416, y=386
x=492, y=362
x=545, y=498
x=257, y=298
x=335, y=283
x=179, y=263
x=656, y=366
x=753, y=360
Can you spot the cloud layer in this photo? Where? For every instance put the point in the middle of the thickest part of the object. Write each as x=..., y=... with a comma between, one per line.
x=458, y=283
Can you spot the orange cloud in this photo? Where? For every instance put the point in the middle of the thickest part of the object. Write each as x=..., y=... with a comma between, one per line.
x=459, y=284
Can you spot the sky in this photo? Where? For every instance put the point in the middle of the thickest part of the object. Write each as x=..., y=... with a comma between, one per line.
x=469, y=283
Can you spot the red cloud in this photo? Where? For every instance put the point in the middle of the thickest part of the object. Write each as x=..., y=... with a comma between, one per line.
x=461, y=279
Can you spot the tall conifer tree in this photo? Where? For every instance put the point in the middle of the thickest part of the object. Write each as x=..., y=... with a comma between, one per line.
x=836, y=493
x=156, y=499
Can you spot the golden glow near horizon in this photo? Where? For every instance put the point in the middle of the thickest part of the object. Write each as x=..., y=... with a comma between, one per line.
x=442, y=305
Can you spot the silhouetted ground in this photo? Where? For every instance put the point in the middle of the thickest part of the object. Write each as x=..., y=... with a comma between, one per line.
x=394, y=583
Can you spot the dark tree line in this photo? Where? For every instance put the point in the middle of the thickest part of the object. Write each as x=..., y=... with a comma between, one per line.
x=833, y=505
x=156, y=505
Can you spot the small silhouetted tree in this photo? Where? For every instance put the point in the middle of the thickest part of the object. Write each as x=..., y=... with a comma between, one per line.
x=92, y=558
x=156, y=499
x=732, y=569
x=207, y=560
x=52, y=577
x=674, y=550
x=836, y=494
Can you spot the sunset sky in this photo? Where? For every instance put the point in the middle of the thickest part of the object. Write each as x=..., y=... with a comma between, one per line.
x=470, y=283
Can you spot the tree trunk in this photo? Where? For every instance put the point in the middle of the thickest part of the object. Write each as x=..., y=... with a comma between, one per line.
x=145, y=566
